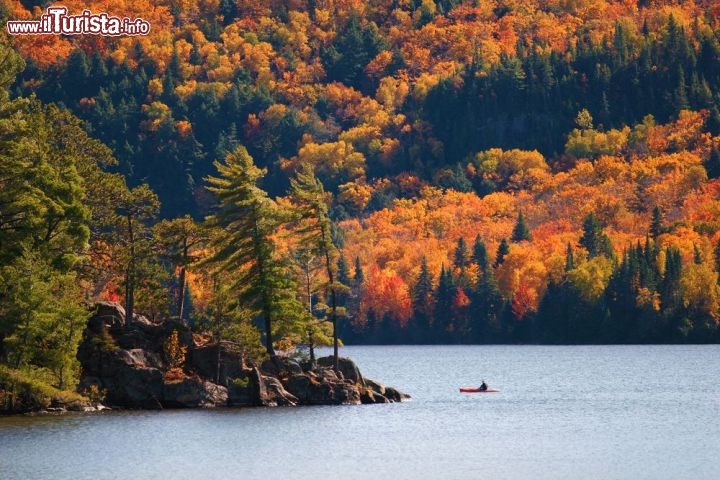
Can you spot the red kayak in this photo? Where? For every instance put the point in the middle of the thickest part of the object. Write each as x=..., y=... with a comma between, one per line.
x=477, y=390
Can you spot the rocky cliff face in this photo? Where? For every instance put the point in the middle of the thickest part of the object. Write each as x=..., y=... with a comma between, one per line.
x=125, y=359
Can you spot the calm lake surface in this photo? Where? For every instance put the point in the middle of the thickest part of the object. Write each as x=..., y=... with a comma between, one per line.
x=590, y=412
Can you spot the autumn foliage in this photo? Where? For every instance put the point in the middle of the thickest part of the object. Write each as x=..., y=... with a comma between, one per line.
x=575, y=143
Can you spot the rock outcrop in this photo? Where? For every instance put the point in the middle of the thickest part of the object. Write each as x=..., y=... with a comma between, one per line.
x=125, y=359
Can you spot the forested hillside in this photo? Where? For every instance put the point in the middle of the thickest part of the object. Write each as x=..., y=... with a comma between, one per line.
x=393, y=171
x=368, y=90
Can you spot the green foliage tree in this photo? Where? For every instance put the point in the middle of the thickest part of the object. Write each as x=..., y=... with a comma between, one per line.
x=460, y=260
x=521, y=232
x=423, y=301
x=315, y=228
x=316, y=331
x=487, y=307
x=136, y=209
x=502, y=251
x=44, y=230
x=656, y=227
x=480, y=255
x=42, y=317
x=245, y=222
x=595, y=241
x=569, y=258
x=353, y=48
x=444, y=295
x=225, y=318
x=179, y=240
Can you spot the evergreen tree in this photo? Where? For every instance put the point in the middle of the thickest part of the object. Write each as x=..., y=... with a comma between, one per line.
x=460, y=263
x=343, y=277
x=41, y=319
x=521, y=232
x=480, y=255
x=486, y=307
x=179, y=239
x=656, y=223
x=135, y=210
x=444, y=295
x=352, y=50
x=316, y=331
x=503, y=249
x=595, y=241
x=712, y=165
x=670, y=286
x=315, y=227
x=243, y=244
x=47, y=201
x=461, y=254
x=569, y=258
x=359, y=277
x=422, y=298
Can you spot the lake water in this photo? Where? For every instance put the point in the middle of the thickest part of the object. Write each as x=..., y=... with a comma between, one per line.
x=590, y=412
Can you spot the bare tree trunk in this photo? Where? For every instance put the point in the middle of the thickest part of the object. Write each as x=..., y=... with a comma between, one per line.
x=333, y=303
x=181, y=281
x=311, y=340
x=219, y=362
x=130, y=276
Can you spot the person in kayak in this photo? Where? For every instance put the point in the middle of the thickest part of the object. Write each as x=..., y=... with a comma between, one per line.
x=483, y=386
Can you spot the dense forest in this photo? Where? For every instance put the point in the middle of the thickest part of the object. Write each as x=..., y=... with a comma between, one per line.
x=435, y=171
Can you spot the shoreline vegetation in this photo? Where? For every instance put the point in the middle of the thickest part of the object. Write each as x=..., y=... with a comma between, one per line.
x=273, y=179
x=142, y=364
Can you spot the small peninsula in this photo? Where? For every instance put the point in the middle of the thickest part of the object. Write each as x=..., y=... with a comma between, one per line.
x=144, y=364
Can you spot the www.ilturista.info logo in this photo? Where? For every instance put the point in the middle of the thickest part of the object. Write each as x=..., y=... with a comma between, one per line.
x=56, y=21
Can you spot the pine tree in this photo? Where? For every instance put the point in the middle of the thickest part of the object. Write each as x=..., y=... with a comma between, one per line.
x=245, y=222
x=670, y=285
x=343, y=277
x=422, y=298
x=486, y=307
x=315, y=227
x=316, y=331
x=444, y=295
x=502, y=251
x=359, y=277
x=595, y=241
x=179, y=239
x=569, y=258
x=460, y=262
x=480, y=255
x=135, y=210
x=461, y=254
x=45, y=210
x=521, y=232
x=656, y=223
x=41, y=318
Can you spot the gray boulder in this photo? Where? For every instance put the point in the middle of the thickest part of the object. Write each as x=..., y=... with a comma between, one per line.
x=376, y=387
x=276, y=393
x=279, y=366
x=135, y=388
x=218, y=362
x=347, y=368
x=369, y=396
x=193, y=393
x=107, y=315
x=311, y=389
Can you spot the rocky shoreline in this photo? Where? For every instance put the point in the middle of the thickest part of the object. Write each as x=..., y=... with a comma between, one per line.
x=125, y=365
